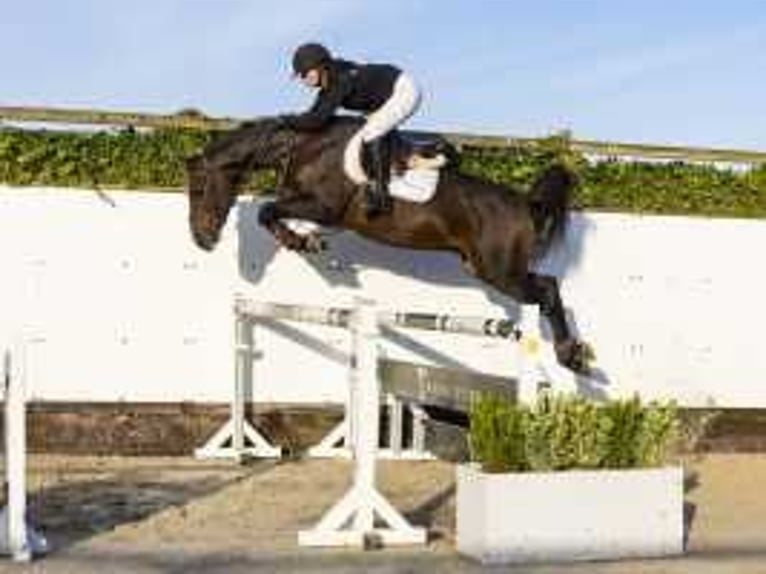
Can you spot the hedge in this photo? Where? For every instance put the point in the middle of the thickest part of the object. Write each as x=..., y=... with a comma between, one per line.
x=155, y=160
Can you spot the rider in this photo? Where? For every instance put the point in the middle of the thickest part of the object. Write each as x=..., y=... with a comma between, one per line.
x=382, y=92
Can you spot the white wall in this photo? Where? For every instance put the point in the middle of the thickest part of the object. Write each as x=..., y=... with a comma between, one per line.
x=118, y=304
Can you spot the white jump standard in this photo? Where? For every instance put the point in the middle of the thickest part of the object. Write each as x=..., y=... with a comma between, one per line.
x=352, y=521
x=238, y=438
x=17, y=539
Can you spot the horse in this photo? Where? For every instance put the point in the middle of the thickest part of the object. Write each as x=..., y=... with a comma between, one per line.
x=498, y=231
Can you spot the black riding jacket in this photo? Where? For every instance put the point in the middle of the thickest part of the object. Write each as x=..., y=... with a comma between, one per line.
x=351, y=86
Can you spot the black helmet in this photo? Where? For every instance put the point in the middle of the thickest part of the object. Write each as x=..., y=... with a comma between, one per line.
x=310, y=56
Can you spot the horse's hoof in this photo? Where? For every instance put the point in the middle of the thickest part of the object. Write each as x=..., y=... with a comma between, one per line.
x=576, y=355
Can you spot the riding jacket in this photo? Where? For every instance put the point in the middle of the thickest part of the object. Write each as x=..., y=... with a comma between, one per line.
x=351, y=86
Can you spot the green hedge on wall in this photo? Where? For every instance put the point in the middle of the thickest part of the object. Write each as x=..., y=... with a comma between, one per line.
x=155, y=160
x=128, y=159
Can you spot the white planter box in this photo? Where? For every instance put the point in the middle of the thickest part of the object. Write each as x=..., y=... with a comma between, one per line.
x=573, y=515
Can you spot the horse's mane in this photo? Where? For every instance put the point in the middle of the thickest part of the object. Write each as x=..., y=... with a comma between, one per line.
x=341, y=126
x=342, y=121
x=266, y=124
x=250, y=130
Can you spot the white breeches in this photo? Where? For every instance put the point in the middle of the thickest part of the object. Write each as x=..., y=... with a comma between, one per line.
x=404, y=101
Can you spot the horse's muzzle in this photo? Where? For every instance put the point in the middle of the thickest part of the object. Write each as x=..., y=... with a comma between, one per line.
x=205, y=241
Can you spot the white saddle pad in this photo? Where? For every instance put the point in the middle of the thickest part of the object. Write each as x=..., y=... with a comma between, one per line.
x=416, y=184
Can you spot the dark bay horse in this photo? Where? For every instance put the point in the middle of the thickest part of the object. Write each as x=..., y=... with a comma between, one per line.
x=497, y=231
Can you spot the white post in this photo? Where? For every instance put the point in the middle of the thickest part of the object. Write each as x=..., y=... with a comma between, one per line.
x=419, y=418
x=18, y=539
x=15, y=451
x=243, y=339
x=395, y=425
x=396, y=450
x=351, y=522
x=365, y=417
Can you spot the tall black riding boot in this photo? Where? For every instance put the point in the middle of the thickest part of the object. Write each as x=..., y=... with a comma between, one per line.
x=378, y=198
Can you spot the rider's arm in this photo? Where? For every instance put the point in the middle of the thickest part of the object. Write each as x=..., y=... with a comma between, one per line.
x=326, y=104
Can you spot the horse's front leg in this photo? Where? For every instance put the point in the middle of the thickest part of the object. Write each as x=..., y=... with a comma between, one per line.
x=544, y=290
x=302, y=206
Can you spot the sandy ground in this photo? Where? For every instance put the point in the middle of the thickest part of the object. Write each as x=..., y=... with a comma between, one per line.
x=113, y=515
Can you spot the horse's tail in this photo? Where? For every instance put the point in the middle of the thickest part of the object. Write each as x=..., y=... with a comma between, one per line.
x=549, y=200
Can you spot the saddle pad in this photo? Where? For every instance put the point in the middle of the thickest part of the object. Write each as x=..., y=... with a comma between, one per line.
x=416, y=185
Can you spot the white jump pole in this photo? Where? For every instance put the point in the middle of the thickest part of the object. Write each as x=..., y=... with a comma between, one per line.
x=352, y=521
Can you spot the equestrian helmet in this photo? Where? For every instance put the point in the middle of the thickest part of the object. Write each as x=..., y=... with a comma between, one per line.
x=310, y=56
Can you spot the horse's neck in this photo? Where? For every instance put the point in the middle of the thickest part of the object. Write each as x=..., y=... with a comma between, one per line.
x=278, y=151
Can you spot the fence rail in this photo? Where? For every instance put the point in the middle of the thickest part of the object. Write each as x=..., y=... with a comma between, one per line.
x=192, y=120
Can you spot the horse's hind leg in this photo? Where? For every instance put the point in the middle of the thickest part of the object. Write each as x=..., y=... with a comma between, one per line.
x=543, y=290
x=304, y=207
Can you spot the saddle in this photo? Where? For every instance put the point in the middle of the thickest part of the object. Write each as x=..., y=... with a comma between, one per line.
x=414, y=151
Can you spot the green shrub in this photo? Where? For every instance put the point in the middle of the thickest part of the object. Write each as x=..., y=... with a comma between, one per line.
x=497, y=437
x=561, y=432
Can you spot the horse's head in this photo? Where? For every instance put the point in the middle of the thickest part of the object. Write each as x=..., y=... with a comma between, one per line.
x=214, y=177
x=209, y=205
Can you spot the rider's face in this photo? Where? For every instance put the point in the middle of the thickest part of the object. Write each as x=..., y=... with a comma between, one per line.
x=312, y=78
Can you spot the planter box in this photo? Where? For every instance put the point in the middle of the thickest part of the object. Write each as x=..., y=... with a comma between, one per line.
x=572, y=515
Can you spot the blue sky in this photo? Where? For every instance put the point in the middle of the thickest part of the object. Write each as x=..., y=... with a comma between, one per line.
x=685, y=72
